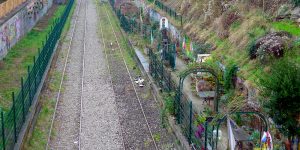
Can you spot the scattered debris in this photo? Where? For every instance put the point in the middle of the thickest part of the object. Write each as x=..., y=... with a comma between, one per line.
x=139, y=81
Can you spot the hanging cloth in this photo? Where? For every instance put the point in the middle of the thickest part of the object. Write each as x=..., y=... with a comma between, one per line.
x=232, y=142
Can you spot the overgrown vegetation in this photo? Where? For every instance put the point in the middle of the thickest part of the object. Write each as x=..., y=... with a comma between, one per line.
x=230, y=73
x=281, y=86
x=296, y=2
x=20, y=57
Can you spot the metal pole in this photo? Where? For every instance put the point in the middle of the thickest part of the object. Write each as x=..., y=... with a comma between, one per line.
x=212, y=138
x=34, y=64
x=191, y=118
x=181, y=19
x=23, y=98
x=29, y=84
x=205, y=142
x=14, y=116
x=3, y=131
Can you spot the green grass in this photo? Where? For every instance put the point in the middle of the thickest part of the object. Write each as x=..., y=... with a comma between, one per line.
x=257, y=32
x=20, y=57
x=157, y=137
x=38, y=139
x=235, y=25
x=288, y=26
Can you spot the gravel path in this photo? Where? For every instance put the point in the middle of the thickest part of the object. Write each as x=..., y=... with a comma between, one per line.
x=100, y=124
x=66, y=125
x=111, y=116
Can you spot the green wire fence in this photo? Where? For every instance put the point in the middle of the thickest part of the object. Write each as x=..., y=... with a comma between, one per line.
x=171, y=12
x=13, y=120
x=185, y=114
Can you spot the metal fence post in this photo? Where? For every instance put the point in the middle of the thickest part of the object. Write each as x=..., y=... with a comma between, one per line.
x=29, y=84
x=2, y=128
x=169, y=84
x=205, y=142
x=190, y=123
x=181, y=20
x=34, y=64
x=23, y=98
x=14, y=116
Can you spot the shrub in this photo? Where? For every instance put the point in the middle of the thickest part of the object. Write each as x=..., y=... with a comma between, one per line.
x=296, y=2
x=230, y=73
x=169, y=102
x=229, y=18
x=270, y=44
x=252, y=49
x=282, y=89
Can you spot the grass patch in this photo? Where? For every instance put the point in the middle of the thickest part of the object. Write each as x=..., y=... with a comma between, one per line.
x=20, y=57
x=157, y=137
x=288, y=26
x=235, y=25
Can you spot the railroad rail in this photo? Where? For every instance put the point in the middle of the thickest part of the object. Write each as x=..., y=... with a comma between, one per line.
x=109, y=55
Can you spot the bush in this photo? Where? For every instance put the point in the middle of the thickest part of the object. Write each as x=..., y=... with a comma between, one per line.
x=252, y=49
x=272, y=44
x=229, y=18
x=169, y=102
x=282, y=89
x=296, y=2
x=230, y=73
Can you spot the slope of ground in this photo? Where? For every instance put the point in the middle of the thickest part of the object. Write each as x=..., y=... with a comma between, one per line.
x=14, y=65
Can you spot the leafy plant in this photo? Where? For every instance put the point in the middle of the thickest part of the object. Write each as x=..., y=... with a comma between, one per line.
x=296, y=2
x=255, y=137
x=230, y=73
x=169, y=102
x=282, y=89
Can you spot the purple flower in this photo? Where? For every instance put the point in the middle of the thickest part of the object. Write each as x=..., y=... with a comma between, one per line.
x=199, y=131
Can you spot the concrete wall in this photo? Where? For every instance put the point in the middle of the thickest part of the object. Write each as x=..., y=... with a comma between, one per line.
x=20, y=23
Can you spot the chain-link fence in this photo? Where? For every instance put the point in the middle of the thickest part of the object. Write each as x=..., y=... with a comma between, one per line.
x=13, y=120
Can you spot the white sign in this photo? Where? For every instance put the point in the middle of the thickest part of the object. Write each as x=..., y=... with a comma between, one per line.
x=164, y=23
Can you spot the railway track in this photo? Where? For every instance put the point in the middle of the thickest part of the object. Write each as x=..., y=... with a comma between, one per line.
x=134, y=122
x=62, y=80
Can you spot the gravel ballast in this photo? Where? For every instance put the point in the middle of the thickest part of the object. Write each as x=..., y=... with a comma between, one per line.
x=100, y=124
